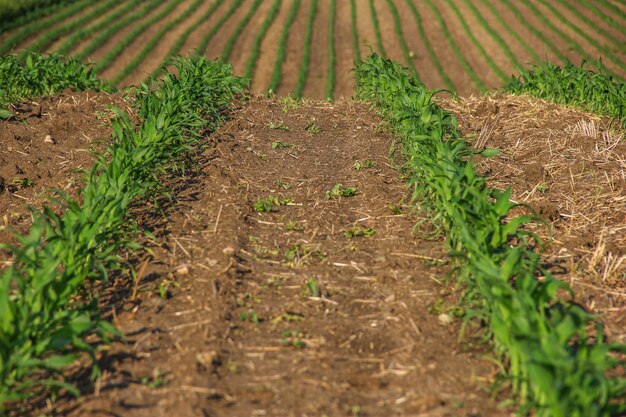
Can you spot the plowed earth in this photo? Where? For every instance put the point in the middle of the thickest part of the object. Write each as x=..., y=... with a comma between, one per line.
x=516, y=31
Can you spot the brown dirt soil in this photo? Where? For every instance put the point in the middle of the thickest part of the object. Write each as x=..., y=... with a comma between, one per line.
x=265, y=63
x=318, y=72
x=193, y=41
x=239, y=57
x=468, y=48
x=569, y=167
x=216, y=46
x=426, y=68
x=463, y=84
x=293, y=58
x=345, y=54
x=44, y=148
x=280, y=313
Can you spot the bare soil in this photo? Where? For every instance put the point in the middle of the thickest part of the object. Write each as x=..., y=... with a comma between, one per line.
x=44, y=147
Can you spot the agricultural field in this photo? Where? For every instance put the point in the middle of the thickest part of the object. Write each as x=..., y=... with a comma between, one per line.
x=309, y=47
x=270, y=208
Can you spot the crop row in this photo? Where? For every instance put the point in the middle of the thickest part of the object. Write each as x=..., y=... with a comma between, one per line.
x=553, y=351
x=303, y=75
x=43, y=321
x=436, y=39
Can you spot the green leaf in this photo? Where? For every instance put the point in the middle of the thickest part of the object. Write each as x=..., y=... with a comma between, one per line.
x=489, y=152
x=5, y=114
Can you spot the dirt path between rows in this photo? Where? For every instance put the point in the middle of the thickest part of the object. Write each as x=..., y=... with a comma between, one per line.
x=282, y=313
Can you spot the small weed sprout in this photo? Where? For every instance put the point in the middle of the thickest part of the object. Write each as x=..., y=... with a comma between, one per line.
x=368, y=163
x=313, y=287
x=542, y=188
x=293, y=338
x=281, y=145
x=278, y=126
x=358, y=231
x=312, y=128
x=289, y=103
x=265, y=205
x=293, y=226
x=339, y=190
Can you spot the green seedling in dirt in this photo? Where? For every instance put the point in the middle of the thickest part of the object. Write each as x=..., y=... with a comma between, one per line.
x=357, y=231
x=156, y=380
x=264, y=205
x=395, y=209
x=232, y=367
x=281, y=145
x=22, y=183
x=163, y=288
x=293, y=226
x=312, y=128
x=340, y=191
x=368, y=163
x=261, y=155
x=274, y=282
x=313, y=287
x=300, y=252
x=293, y=338
x=5, y=114
x=283, y=185
x=247, y=299
x=542, y=188
x=289, y=103
x=287, y=317
x=250, y=316
x=277, y=126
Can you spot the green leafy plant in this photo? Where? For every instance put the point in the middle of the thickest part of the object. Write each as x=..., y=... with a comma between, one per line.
x=312, y=128
x=368, y=163
x=552, y=350
x=267, y=204
x=339, y=190
x=357, y=231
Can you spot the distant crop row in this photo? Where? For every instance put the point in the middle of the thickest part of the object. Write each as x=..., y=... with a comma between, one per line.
x=447, y=42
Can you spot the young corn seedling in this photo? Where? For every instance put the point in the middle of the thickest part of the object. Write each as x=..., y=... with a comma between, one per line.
x=339, y=190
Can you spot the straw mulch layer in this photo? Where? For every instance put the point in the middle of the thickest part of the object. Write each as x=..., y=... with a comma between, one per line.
x=570, y=168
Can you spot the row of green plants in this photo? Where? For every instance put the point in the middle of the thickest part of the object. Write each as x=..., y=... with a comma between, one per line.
x=429, y=46
x=180, y=41
x=48, y=37
x=521, y=17
x=397, y=26
x=230, y=43
x=593, y=90
x=614, y=10
x=332, y=55
x=305, y=65
x=455, y=48
x=591, y=25
x=86, y=32
x=38, y=25
x=11, y=9
x=553, y=352
x=376, y=24
x=355, y=31
x=255, y=50
x=469, y=32
x=49, y=312
x=572, y=43
x=206, y=39
x=36, y=75
x=26, y=18
x=120, y=46
x=511, y=30
x=133, y=64
x=583, y=34
x=281, y=52
x=98, y=41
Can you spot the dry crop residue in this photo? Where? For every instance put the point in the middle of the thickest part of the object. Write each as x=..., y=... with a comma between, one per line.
x=569, y=167
x=326, y=304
